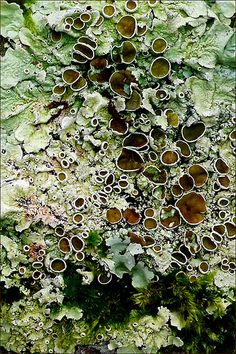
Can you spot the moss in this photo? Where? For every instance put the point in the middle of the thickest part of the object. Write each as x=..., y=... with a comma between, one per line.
x=114, y=302
x=202, y=331
x=111, y=303
x=93, y=240
x=7, y=225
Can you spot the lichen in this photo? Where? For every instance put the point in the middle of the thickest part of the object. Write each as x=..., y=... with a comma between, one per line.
x=118, y=162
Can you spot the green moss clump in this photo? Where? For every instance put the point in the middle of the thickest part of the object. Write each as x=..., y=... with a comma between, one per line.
x=202, y=331
x=95, y=242
x=111, y=303
x=94, y=239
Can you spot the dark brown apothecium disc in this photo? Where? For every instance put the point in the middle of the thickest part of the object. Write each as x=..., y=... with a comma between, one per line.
x=199, y=174
x=131, y=216
x=135, y=141
x=192, y=206
x=114, y=215
x=193, y=132
x=120, y=83
x=128, y=52
x=129, y=160
x=126, y=26
x=160, y=68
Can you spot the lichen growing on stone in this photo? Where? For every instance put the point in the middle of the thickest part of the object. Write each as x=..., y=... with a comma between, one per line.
x=118, y=162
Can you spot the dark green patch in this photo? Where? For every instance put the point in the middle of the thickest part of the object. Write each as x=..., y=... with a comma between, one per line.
x=202, y=332
x=28, y=21
x=210, y=2
x=93, y=240
x=102, y=304
x=23, y=3
x=9, y=295
x=7, y=225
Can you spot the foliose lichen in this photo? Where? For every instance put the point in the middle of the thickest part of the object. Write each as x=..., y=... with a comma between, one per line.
x=118, y=162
